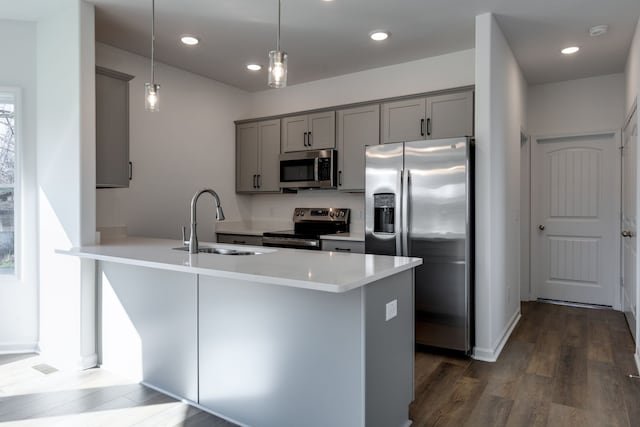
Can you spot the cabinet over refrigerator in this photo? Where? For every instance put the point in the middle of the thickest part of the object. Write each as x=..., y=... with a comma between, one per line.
x=419, y=203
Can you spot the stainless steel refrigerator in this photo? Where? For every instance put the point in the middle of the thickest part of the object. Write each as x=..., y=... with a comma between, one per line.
x=419, y=202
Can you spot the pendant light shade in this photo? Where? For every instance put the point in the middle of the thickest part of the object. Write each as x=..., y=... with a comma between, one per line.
x=277, y=69
x=152, y=97
x=152, y=90
x=278, y=62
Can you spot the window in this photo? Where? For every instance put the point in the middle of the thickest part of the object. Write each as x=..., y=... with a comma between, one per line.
x=7, y=183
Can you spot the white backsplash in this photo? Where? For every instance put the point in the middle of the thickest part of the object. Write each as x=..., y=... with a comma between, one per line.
x=279, y=207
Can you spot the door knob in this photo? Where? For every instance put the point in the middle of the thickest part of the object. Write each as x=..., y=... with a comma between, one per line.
x=625, y=233
x=541, y=227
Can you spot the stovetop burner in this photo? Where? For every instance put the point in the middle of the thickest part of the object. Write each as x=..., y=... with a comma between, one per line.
x=309, y=224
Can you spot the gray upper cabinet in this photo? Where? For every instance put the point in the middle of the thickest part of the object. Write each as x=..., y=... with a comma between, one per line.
x=357, y=128
x=403, y=120
x=112, y=129
x=246, y=157
x=433, y=117
x=257, y=150
x=450, y=115
x=309, y=132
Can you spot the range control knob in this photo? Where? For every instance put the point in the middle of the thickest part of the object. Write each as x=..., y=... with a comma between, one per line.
x=341, y=213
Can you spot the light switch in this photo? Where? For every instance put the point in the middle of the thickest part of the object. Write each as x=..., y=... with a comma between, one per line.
x=392, y=310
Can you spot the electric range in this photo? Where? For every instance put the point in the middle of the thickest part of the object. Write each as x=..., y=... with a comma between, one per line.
x=308, y=225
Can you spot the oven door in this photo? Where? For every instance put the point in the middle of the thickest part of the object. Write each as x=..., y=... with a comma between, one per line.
x=308, y=169
x=290, y=242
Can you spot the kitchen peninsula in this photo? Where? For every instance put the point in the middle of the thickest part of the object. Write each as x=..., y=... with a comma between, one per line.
x=283, y=337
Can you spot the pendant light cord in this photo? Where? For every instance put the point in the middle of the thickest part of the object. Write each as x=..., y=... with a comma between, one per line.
x=153, y=38
x=278, y=39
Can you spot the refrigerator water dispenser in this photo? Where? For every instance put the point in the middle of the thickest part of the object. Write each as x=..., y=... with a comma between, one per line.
x=384, y=207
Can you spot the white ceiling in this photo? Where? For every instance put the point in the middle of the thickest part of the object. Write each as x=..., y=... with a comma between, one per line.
x=326, y=39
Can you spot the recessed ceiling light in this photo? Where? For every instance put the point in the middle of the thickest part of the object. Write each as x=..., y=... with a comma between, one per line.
x=570, y=50
x=254, y=67
x=598, y=30
x=189, y=40
x=379, y=35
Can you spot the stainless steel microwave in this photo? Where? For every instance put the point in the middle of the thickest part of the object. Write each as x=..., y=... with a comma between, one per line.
x=309, y=169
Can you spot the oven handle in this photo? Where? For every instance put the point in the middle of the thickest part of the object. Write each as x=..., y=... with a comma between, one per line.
x=289, y=241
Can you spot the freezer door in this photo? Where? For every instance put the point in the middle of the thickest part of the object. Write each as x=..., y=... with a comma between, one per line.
x=383, y=189
x=436, y=222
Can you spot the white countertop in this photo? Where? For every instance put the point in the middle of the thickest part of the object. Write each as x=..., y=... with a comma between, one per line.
x=316, y=270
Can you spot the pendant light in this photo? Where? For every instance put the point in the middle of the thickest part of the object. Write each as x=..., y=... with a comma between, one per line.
x=152, y=90
x=278, y=62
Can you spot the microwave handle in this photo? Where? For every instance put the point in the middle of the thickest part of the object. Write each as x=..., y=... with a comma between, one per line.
x=315, y=170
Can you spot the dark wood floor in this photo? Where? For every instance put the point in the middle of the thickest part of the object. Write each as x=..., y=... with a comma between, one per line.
x=563, y=366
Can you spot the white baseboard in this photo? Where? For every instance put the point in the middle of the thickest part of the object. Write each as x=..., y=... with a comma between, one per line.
x=637, y=359
x=19, y=348
x=491, y=355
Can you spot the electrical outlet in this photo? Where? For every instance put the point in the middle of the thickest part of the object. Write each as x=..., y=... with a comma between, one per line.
x=391, y=310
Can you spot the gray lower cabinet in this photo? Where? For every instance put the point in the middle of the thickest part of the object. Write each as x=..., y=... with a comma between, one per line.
x=262, y=354
x=356, y=128
x=351, y=246
x=257, y=151
x=309, y=132
x=433, y=117
x=239, y=239
x=112, y=129
x=274, y=356
x=148, y=326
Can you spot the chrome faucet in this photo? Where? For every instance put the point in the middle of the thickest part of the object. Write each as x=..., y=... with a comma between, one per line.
x=193, y=237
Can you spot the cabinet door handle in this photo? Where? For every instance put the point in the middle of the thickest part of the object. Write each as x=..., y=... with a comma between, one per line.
x=304, y=139
x=259, y=180
x=130, y=171
x=254, y=181
x=310, y=139
x=421, y=127
x=339, y=177
x=343, y=249
x=429, y=126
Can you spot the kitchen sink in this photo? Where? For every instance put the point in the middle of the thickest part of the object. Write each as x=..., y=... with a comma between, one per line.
x=220, y=251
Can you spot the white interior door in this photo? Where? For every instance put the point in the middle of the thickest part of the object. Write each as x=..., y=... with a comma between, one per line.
x=575, y=223
x=629, y=221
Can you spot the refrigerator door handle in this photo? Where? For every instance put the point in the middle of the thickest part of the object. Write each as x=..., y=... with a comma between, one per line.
x=399, y=225
x=406, y=196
